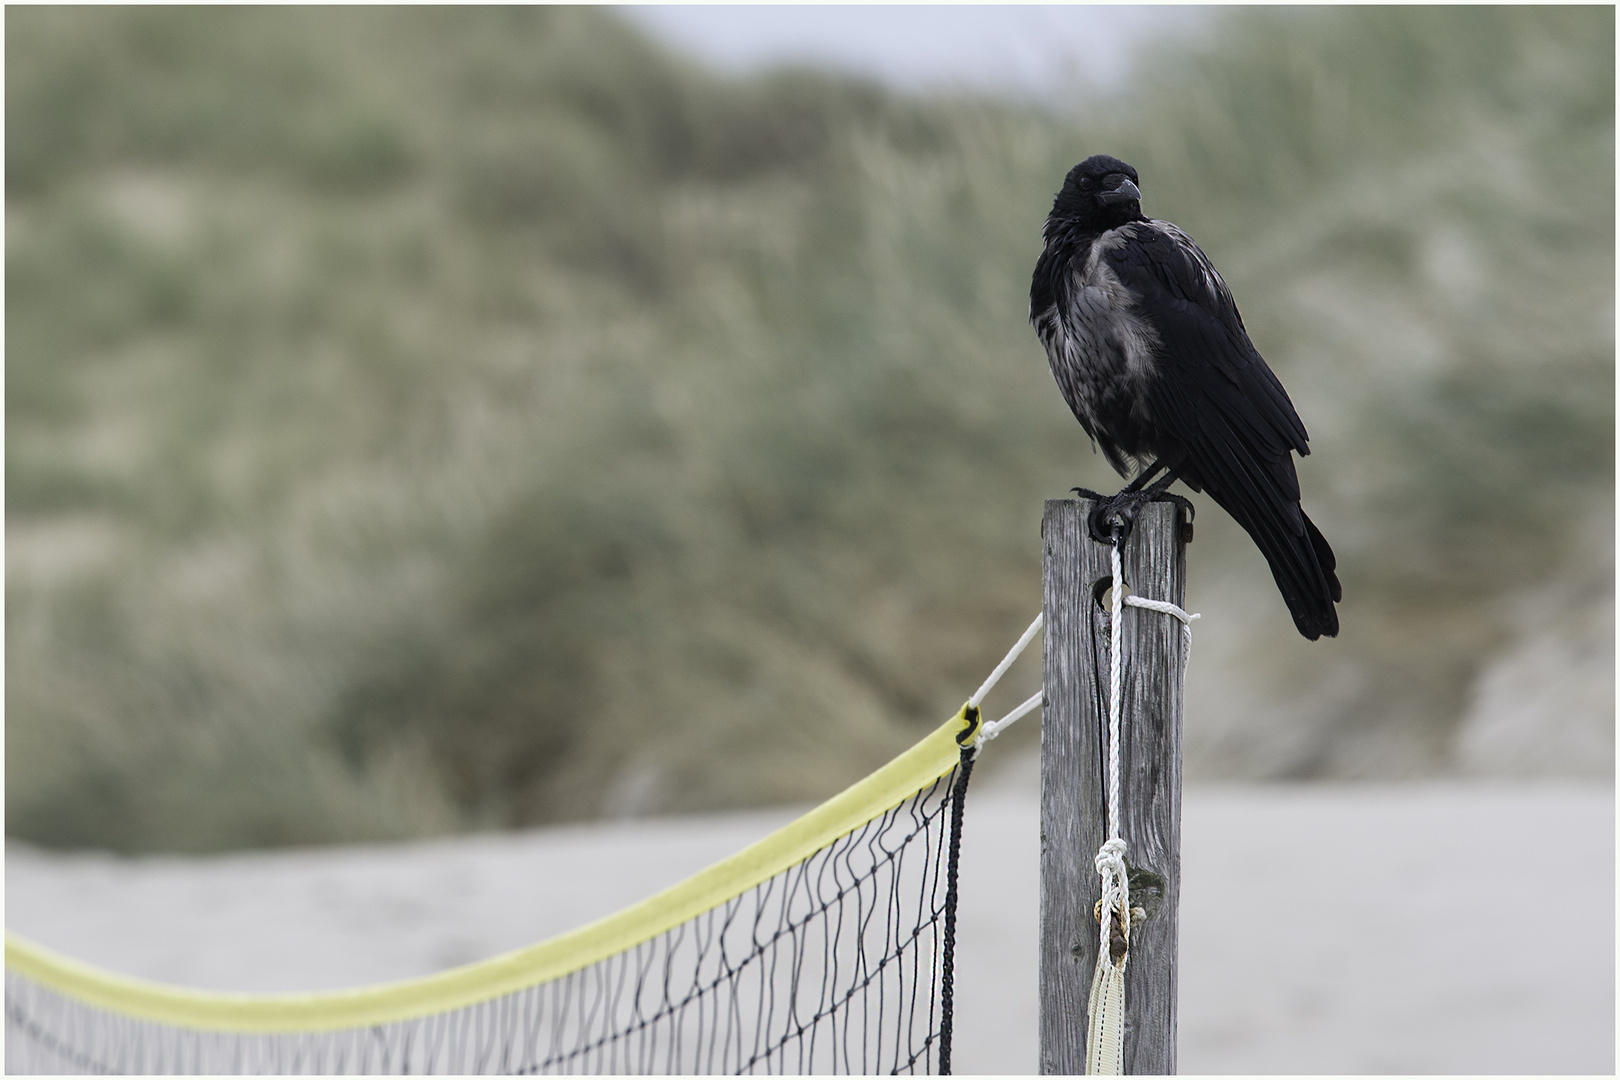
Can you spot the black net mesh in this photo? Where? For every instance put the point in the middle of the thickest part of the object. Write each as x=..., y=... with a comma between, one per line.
x=839, y=964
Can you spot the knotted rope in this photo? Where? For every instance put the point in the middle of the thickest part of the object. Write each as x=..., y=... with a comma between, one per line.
x=1105, y=1030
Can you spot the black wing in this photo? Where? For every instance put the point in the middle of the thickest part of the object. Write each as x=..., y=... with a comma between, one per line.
x=1213, y=399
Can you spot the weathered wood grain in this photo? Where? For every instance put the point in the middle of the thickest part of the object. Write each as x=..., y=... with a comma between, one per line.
x=1073, y=799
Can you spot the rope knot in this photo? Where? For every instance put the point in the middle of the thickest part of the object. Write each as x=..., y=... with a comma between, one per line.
x=1110, y=860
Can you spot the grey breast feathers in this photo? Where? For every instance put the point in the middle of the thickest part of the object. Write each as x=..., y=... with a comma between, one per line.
x=1101, y=350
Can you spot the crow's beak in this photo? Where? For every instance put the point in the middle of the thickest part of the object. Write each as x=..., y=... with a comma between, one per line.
x=1125, y=192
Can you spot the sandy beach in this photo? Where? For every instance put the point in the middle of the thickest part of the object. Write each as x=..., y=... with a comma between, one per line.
x=1325, y=929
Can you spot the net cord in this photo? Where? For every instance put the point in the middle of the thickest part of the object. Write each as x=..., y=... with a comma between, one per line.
x=970, y=753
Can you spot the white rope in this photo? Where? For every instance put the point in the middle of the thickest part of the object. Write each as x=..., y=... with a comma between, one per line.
x=1006, y=662
x=1167, y=608
x=990, y=731
x=1105, y=1032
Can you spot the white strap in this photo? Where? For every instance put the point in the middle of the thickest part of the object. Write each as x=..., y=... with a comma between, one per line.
x=1105, y=1022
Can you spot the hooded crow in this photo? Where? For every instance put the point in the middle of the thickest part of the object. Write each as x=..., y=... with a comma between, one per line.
x=1151, y=355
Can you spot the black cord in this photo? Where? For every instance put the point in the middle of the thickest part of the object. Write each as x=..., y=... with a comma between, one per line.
x=958, y=795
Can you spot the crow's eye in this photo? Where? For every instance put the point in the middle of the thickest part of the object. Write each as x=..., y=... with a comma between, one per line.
x=1085, y=183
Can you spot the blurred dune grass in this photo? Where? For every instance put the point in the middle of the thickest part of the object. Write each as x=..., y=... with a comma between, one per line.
x=422, y=420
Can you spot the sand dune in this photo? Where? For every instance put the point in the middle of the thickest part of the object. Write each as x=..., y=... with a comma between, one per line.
x=1399, y=932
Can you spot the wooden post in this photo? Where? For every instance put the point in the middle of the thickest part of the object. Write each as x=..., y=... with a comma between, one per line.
x=1073, y=799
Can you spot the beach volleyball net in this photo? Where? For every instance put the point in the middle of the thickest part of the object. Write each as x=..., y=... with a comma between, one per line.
x=825, y=947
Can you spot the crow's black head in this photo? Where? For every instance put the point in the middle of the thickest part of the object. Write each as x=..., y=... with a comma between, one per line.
x=1099, y=192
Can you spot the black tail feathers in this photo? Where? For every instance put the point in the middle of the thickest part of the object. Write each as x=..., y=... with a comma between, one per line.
x=1303, y=566
x=1324, y=559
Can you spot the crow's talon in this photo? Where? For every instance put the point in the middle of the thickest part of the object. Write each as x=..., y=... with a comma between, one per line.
x=1184, y=503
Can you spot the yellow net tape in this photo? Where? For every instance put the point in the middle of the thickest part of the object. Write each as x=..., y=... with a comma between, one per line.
x=927, y=761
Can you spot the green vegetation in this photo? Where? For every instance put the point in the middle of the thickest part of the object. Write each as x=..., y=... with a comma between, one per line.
x=432, y=419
